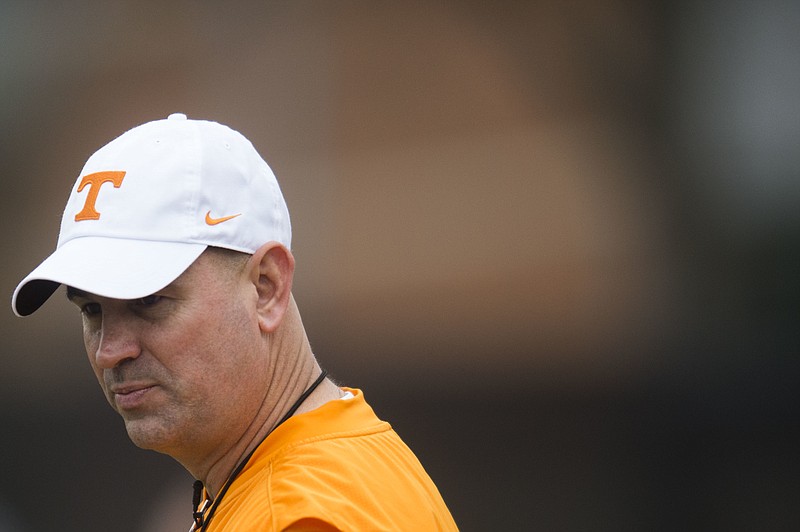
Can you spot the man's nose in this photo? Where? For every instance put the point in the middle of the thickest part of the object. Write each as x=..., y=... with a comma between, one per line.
x=118, y=342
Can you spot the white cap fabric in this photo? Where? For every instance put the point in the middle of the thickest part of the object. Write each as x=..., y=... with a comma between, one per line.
x=147, y=204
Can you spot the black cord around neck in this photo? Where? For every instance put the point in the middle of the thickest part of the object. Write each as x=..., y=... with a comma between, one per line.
x=200, y=520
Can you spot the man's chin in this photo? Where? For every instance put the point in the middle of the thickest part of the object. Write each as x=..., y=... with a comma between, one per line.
x=148, y=434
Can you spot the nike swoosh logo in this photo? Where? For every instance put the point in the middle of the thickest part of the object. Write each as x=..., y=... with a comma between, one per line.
x=215, y=221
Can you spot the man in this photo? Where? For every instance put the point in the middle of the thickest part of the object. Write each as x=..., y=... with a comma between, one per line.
x=175, y=246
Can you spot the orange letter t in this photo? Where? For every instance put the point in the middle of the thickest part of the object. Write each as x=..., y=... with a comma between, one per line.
x=95, y=181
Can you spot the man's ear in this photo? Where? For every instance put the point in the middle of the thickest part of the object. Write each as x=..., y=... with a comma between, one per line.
x=271, y=270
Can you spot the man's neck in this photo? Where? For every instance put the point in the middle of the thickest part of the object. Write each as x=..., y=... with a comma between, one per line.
x=282, y=401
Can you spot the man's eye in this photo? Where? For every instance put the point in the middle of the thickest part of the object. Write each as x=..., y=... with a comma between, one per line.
x=91, y=309
x=147, y=301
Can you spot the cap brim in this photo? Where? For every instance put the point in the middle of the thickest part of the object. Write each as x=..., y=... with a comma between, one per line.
x=108, y=267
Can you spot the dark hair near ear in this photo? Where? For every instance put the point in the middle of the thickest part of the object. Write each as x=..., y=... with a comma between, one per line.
x=228, y=258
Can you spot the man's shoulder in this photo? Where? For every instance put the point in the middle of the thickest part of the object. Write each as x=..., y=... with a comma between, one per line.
x=358, y=477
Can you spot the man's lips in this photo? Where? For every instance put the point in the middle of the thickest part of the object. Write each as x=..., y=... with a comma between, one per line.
x=123, y=389
x=129, y=396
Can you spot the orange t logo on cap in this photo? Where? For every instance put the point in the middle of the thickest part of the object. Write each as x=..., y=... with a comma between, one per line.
x=95, y=181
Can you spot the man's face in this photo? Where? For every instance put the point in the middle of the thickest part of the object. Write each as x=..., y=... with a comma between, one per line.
x=185, y=367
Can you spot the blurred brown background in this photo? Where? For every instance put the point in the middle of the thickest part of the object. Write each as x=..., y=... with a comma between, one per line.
x=555, y=243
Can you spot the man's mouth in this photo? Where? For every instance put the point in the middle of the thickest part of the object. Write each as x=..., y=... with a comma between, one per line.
x=131, y=396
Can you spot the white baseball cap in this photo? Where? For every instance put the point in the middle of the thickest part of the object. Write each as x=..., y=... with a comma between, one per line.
x=148, y=203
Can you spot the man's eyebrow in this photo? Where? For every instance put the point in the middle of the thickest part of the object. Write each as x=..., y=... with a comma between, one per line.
x=74, y=293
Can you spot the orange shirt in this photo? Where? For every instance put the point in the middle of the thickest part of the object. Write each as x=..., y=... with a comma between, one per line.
x=338, y=467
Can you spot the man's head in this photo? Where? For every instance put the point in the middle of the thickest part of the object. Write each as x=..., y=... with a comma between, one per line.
x=147, y=204
x=174, y=244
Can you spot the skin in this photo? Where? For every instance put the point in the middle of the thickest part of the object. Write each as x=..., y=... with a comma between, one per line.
x=203, y=369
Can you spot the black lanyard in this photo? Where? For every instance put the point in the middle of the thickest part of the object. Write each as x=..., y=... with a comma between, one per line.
x=201, y=520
